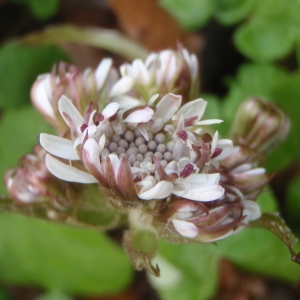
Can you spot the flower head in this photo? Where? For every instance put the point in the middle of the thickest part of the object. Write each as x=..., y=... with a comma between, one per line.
x=143, y=153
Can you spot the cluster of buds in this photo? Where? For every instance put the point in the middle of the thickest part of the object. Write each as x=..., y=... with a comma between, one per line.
x=139, y=135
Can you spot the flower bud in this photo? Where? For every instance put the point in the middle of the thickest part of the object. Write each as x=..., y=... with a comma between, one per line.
x=259, y=125
x=79, y=86
x=203, y=221
x=31, y=182
x=165, y=72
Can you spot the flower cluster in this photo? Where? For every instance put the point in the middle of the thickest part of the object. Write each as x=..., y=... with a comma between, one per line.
x=139, y=134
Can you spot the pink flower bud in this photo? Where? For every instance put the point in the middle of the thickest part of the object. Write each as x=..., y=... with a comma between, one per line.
x=259, y=125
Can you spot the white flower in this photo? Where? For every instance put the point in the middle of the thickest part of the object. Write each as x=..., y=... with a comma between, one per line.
x=134, y=152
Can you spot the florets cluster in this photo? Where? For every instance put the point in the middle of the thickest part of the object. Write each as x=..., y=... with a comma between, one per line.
x=139, y=134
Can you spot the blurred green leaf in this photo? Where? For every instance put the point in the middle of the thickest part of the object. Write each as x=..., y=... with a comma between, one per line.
x=42, y=10
x=54, y=296
x=260, y=251
x=191, y=14
x=229, y=12
x=60, y=258
x=263, y=41
x=286, y=94
x=266, y=201
x=19, y=67
x=4, y=295
x=193, y=270
x=292, y=204
x=19, y=131
x=271, y=31
x=252, y=80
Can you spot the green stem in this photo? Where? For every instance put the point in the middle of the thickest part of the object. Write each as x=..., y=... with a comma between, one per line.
x=102, y=38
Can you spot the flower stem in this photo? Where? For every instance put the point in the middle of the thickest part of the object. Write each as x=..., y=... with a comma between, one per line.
x=102, y=38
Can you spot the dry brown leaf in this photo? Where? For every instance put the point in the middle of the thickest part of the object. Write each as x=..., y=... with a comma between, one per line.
x=151, y=25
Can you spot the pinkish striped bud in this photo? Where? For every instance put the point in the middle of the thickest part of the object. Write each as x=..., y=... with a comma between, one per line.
x=259, y=125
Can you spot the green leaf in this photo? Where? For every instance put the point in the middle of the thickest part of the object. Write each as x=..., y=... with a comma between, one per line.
x=263, y=41
x=191, y=14
x=261, y=252
x=266, y=201
x=286, y=95
x=251, y=80
x=229, y=12
x=42, y=10
x=192, y=268
x=19, y=131
x=292, y=204
x=59, y=258
x=54, y=296
x=19, y=67
x=271, y=31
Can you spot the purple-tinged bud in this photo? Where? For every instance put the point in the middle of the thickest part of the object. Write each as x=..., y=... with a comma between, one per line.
x=259, y=125
x=31, y=181
x=183, y=220
x=80, y=87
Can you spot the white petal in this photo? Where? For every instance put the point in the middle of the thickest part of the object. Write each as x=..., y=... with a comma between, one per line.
x=186, y=229
x=147, y=183
x=127, y=101
x=209, y=122
x=66, y=106
x=122, y=86
x=67, y=172
x=102, y=72
x=201, y=180
x=214, y=142
x=227, y=146
x=141, y=72
x=110, y=109
x=167, y=106
x=58, y=146
x=140, y=116
x=152, y=99
x=193, y=109
x=40, y=95
x=161, y=190
x=115, y=162
x=256, y=171
x=208, y=193
x=252, y=210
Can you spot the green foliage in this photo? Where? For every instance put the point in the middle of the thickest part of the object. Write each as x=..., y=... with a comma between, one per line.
x=19, y=130
x=60, y=258
x=229, y=12
x=190, y=14
x=287, y=95
x=271, y=31
x=42, y=10
x=19, y=67
x=196, y=271
x=54, y=296
x=251, y=80
x=292, y=204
